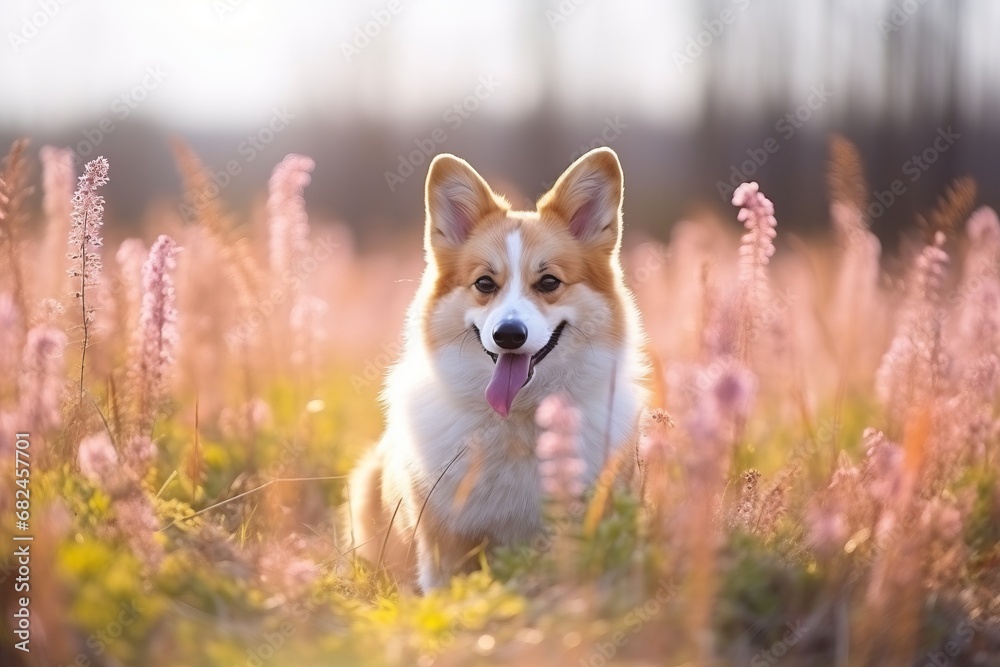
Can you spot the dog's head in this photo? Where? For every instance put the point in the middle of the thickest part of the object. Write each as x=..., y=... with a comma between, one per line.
x=531, y=287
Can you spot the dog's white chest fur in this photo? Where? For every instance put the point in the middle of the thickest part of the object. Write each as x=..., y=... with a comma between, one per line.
x=491, y=490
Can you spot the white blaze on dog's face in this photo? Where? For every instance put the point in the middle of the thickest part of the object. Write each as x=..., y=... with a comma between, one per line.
x=531, y=286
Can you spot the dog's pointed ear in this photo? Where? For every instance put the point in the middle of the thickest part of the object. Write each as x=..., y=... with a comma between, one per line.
x=588, y=196
x=457, y=198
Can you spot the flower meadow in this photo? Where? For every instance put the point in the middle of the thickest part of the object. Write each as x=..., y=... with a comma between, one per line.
x=821, y=487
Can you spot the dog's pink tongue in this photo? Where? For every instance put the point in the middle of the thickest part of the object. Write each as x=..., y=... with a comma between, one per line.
x=509, y=375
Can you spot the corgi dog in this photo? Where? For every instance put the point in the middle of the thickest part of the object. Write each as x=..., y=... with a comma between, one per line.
x=513, y=306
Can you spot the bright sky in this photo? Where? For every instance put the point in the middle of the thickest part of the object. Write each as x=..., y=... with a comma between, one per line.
x=230, y=62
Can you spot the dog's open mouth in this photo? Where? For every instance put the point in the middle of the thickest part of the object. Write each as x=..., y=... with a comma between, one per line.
x=512, y=371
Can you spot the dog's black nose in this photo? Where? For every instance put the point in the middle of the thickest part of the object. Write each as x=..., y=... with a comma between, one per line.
x=510, y=334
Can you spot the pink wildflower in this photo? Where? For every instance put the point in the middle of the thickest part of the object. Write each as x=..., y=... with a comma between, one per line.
x=976, y=347
x=131, y=256
x=756, y=248
x=911, y=368
x=981, y=284
x=85, y=242
x=85, y=233
x=289, y=222
x=725, y=392
x=560, y=465
x=136, y=521
x=98, y=459
x=138, y=454
x=285, y=568
x=41, y=381
x=883, y=469
x=827, y=529
x=156, y=336
x=135, y=518
x=757, y=245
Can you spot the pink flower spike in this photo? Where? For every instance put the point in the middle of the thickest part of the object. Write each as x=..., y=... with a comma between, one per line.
x=88, y=217
x=757, y=215
x=561, y=470
x=289, y=223
x=156, y=336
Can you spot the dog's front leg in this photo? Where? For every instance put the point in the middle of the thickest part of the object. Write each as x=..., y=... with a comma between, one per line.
x=440, y=555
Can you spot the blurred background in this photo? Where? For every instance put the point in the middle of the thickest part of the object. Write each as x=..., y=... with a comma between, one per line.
x=694, y=96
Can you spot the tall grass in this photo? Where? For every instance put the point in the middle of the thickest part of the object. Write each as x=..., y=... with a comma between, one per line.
x=819, y=486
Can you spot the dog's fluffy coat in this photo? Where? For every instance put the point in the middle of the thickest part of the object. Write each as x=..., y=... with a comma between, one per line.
x=437, y=417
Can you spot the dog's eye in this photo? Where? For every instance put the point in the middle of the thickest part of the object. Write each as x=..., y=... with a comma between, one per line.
x=485, y=285
x=549, y=283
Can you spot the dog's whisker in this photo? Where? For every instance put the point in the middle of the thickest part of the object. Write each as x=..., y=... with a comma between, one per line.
x=586, y=337
x=461, y=348
x=465, y=339
x=461, y=333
